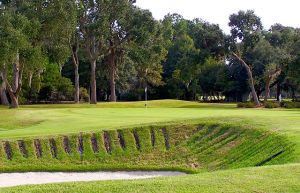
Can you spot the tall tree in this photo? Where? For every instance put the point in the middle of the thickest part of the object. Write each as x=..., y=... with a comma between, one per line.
x=246, y=30
x=126, y=24
x=74, y=45
x=13, y=40
x=282, y=39
x=148, y=57
x=92, y=15
x=32, y=31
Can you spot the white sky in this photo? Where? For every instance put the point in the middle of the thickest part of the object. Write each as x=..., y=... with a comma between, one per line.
x=286, y=12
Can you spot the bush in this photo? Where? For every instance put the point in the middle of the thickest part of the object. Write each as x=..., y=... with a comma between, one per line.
x=84, y=95
x=246, y=105
x=271, y=105
x=64, y=90
x=55, y=87
x=45, y=92
x=290, y=105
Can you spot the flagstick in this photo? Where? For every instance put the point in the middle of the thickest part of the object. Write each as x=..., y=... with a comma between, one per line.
x=146, y=97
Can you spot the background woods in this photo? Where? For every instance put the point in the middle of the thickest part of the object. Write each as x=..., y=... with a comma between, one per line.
x=52, y=51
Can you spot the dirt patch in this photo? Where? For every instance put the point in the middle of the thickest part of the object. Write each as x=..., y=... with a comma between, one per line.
x=80, y=145
x=121, y=139
x=38, y=148
x=94, y=143
x=137, y=140
x=22, y=148
x=53, y=148
x=107, y=142
x=66, y=144
x=166, y=136
x=7, y=149
x=152, y=132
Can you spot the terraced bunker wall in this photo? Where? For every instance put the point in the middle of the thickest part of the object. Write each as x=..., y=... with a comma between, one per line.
x=181, y=147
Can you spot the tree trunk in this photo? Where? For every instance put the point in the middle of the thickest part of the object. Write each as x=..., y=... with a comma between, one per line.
x=77, y=89
x=113, y=97
x=16, y=74
x=112, y=73
x=75, y=59
x=267, y=90
x=14, y=96
x=270, y=79
x=14, y=90
x=3, y=96
x=251, y=80
x=93, y=83
x=14, y=101
x=30, y=75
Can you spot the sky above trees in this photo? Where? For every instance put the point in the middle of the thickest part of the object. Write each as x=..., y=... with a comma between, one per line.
x=218, y=11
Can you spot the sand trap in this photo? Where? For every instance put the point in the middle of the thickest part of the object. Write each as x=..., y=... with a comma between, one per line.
x=16, y=179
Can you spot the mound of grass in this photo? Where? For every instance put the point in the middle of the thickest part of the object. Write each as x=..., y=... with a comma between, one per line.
x=190, y=148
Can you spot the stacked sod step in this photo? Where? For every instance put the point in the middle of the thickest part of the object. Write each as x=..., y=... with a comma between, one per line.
x=183, y=147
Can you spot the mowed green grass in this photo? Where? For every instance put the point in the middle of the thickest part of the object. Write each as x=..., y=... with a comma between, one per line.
x=264, y=179
x=43, y=120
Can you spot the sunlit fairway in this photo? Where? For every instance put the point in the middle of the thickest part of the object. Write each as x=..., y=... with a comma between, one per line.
x=58, y=119
x=41, y=120
x=53, y=120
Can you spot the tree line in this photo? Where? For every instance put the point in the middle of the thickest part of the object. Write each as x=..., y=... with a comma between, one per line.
x=109, y=50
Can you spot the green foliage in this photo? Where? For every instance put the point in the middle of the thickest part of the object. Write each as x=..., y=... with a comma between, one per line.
x=246, y=105
x=171, y=57
x=84, y=95
x=290, y=105
x=271, y=105
x=246, y=27
x=55, y=87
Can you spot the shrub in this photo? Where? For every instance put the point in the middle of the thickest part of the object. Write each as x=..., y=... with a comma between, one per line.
x=290, y=105
x=84, y=95
x=65, y=90
x=246, y=105
x=55, y=87
x=45, y=92
x=271, y=105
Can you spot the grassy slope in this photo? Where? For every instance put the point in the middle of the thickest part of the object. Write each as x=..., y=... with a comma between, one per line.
x=41, y=120
x=269, y=179
x=265, y=179
x=194, y=148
